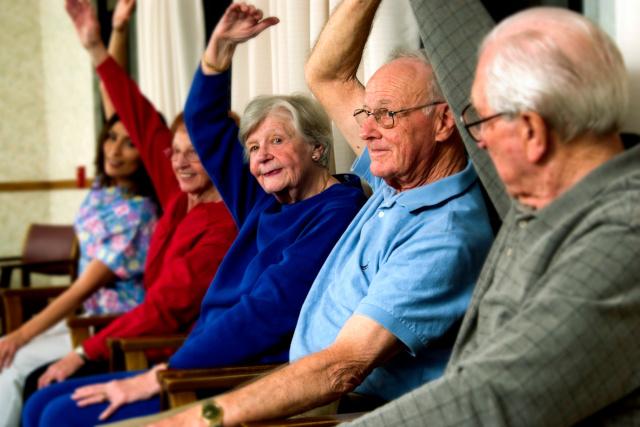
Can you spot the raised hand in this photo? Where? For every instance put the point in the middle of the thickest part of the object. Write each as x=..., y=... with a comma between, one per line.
x=122, y=14
x=84, y=19
x=239, y=23
x=119, y=392
x=9, y=345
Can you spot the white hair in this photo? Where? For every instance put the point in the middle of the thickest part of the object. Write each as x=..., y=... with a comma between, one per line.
x=560, y=65
x=307, y=117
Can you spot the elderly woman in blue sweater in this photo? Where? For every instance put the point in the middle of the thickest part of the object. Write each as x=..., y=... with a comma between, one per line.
x=289, y=210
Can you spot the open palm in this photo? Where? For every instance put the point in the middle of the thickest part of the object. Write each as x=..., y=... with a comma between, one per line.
x=242, y=22
x=84, y=19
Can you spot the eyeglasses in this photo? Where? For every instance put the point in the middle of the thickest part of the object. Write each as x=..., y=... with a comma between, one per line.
x=384, y=117
x=174, y=155
x=473, y=122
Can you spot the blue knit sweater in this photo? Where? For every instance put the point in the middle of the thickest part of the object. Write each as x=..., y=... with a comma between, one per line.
x=250, y=310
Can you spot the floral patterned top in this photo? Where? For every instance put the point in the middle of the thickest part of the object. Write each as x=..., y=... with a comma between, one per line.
x=115, y=229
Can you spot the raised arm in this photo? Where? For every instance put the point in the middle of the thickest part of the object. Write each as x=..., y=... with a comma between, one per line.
x=240, y=22
x=213, y=133
x=86, y=24
x=331, y=69
x=118, y=45
x=143, y=122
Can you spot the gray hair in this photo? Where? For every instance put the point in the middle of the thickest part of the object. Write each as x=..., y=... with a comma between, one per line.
x=573, y=75
x=307, y=117
x=434, y=92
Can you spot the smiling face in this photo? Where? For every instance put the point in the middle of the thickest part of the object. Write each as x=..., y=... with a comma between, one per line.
x=191, y=175
x=403, y=154
x=121, y=157
x=280, y=159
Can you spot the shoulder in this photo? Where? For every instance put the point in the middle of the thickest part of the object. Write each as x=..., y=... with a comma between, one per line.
x=212, y=214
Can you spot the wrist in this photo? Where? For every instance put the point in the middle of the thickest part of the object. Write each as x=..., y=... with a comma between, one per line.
x=153, y=385
x=211, y=68
x=79, y=350
x=98, y=53
x=20, y=337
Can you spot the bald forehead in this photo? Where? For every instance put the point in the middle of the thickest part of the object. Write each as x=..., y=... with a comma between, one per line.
x=401, y=80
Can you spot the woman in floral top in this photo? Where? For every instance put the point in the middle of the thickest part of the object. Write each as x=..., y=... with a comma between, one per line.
x=113, y=226
x=115, y=229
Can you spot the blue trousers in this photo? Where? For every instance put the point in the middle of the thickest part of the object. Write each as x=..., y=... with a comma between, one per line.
x=53, y=406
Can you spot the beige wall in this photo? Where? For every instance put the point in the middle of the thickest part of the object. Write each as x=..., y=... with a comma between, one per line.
x=46, y=115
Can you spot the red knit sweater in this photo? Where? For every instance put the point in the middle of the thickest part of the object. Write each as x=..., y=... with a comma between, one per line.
x=186, y=247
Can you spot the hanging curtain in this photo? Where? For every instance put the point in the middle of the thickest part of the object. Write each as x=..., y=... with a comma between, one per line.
x=170, y=39
x=170, y=45
x=273, y=63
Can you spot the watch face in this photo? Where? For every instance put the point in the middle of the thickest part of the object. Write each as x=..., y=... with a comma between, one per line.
x=212, y=413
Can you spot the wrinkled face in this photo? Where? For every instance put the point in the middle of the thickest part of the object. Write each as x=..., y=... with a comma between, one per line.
x=191, y=175
x=121, y=157
x=402, y=154
x=279, y=158
x=501, y=137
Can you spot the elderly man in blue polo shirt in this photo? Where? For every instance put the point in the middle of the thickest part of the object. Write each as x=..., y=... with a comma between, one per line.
x=382, y=313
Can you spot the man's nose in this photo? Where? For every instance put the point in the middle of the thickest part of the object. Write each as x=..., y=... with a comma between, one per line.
x=369, y=128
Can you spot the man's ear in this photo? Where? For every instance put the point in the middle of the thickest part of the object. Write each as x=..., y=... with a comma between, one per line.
x=445, y=123
x=536, y=136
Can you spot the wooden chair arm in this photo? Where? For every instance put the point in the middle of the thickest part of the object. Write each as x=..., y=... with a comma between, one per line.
x=14, y=300
x=83, y=327
x=129, y=353
x=321, y=421
x=7, y=265
x=179, y=386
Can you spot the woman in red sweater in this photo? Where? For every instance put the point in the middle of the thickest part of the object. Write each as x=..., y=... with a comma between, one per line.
x=192, y=235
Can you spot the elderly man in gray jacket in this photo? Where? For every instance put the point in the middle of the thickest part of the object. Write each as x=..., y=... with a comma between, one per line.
x=551, y=336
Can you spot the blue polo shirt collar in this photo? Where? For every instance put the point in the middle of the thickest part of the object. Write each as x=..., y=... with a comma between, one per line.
x=430, y=194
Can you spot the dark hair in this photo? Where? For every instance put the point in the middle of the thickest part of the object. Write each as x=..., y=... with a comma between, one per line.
x=142, y=185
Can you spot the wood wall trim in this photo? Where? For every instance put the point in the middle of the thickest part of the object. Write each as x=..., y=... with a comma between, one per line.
x=21, y=186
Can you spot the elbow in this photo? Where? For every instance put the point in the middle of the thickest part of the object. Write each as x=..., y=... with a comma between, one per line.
x=311, y=76
x=344, y=378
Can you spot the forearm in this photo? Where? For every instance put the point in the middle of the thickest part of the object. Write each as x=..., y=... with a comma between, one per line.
x=338, y=50
x=146, y=129
x=331, y=69
x=317, y=379
x=118, y=51
x=95, y=275
x=310, y=382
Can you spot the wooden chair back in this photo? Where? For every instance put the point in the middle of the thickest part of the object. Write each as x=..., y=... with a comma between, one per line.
x=48, y=249
x=46, y=244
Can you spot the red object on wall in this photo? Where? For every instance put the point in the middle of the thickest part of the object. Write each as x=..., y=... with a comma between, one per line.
x=81, y=178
